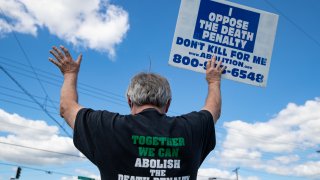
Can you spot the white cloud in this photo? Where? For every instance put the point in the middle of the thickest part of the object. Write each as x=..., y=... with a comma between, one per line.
x=205, y=173
x=69, y=178
x=94, y=24
x=287, y=159
x=278, y=145
x=20, y=20
x=308, y=169
x=36, y=134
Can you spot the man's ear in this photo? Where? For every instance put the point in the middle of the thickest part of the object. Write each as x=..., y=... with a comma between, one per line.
x=129, y=102
x=168, y=105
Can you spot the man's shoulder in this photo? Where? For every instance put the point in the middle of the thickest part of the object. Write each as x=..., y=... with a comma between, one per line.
x=195, y=114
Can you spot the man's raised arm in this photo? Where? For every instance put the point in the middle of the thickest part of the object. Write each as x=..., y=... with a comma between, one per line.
x=213, y=77
x=69, y=106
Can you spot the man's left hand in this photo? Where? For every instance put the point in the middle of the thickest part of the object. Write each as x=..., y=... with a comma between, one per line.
x=64, y=60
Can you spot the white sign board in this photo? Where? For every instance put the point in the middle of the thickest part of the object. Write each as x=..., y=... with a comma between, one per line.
x=241, y=37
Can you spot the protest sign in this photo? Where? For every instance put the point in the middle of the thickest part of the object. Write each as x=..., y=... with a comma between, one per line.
x=241, y=37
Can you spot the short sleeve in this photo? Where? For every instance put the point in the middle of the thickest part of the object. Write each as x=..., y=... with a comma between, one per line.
x=85, y=128
x=201, y=126
x=209, y=137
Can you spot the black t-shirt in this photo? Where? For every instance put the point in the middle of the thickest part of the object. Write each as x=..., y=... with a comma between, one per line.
x=145, y=146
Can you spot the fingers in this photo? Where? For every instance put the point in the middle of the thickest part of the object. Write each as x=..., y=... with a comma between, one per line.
x=208, y=65
x=66, y=52
x=55, y=62
x=79, y=59
x=58, y=52
x=55, y=55
x=211, y=64
x=213, y=59
x=64, y=58
x=223, y=68
x=59, y=55
x=218, y=65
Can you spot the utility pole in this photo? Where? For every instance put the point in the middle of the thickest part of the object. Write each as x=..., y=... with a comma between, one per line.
x=236, y=171
x=18, y=172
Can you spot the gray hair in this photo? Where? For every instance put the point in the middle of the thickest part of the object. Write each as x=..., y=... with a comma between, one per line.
x=149, y=88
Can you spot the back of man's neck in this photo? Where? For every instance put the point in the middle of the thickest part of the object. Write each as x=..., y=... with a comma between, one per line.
x=137, y=109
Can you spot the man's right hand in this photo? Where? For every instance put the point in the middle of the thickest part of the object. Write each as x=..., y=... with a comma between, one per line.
x=214, y=71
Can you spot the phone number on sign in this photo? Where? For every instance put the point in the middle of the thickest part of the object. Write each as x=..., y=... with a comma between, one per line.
x=235, y=72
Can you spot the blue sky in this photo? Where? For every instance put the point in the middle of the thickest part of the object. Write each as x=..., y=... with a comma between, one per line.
x=270, y=133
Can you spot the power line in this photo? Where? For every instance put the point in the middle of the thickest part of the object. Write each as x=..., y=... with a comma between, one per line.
x=21, y=92
x=83, y=88
x=22, y=99
x=27, y=58
x=293, y=23
x=33, y=98
x=34, y=72
x=84, y=91
x=44, y=150
x=26, y=106
x=37, y=169
x=82, y=85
